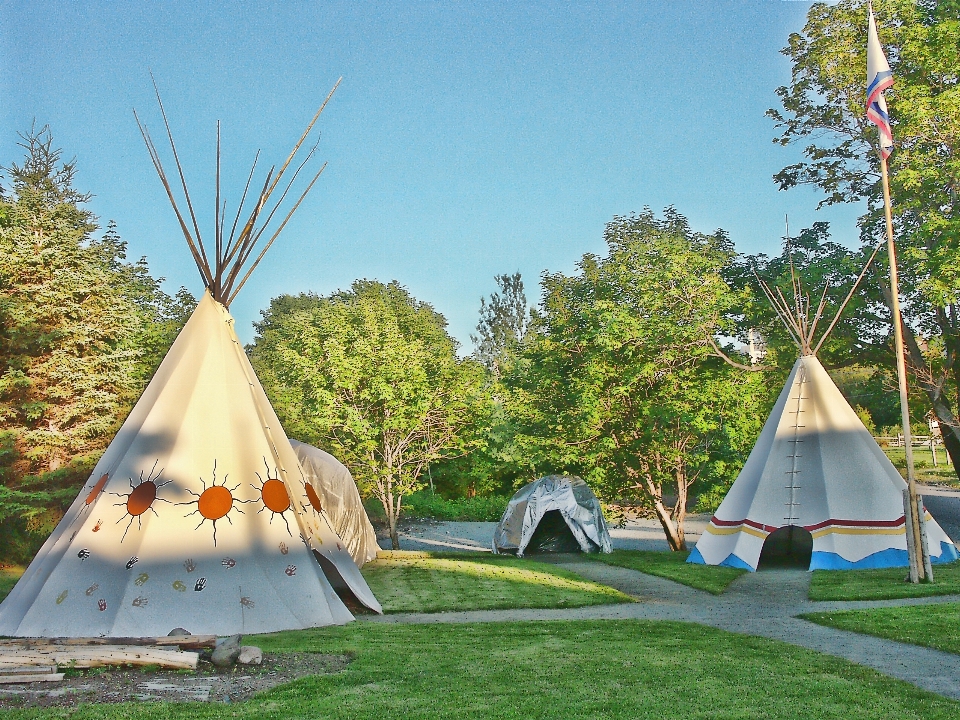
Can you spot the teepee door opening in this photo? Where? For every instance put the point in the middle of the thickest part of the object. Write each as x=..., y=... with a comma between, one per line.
x=789, y=547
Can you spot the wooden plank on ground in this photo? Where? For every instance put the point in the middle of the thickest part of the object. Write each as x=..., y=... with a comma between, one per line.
x=96, y=656
x=39, y=677
x=27, y=669
x=188, y=641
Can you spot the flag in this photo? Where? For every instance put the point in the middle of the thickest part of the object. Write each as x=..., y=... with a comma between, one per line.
x=879, y=78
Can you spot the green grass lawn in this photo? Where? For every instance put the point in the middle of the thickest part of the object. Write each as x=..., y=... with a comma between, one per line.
x=943, y=474
x=438, y=582
x=882, y=584
x=935, y=626
x=578, y=669
x=9, y=574
x=672, y=566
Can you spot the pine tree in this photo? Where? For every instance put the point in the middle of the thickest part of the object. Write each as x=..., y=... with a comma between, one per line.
x=81, y=331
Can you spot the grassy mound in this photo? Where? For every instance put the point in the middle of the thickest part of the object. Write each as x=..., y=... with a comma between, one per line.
x=673, y=566
x=882, y=584
x=934, y=626
x=438, y=582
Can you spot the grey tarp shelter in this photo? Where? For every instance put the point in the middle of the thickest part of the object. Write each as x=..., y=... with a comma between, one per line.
x=555, y=513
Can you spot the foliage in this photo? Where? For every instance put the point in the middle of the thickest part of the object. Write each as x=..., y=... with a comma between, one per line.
x=479, y=508
x=503, y=323
x=824, y=106
x=620, y=380
x=444, y=582
x=371, y=375
x=672, y=566
x=933, y=626
x=882, y=584
x=81, y=332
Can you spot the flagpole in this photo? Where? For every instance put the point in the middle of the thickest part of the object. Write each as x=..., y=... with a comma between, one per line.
x=913, y=532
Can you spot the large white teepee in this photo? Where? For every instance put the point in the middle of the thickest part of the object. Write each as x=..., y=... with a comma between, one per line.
x=198, y=515
x=337, y=491
x=816, y=467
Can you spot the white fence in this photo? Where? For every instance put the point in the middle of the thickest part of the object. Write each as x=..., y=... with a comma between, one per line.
x=933, y=443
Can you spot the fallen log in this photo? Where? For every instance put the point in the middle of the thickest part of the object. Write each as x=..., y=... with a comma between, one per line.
x=25, y=678
x=190, y=642
x=92, y=656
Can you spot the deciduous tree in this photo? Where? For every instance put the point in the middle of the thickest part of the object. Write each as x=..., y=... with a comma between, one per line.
x=371, y=375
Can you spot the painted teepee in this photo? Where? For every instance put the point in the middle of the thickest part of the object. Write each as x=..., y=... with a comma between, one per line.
x=198, y=515
x=816, y=467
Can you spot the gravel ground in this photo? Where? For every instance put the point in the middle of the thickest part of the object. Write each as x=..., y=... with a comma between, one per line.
x=207, y=684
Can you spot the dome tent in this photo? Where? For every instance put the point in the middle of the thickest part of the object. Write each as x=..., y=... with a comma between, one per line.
x=553, y=514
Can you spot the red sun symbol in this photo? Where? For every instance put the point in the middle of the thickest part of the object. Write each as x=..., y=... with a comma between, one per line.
x=141, y=497
x=273, y=494
x=215, y=502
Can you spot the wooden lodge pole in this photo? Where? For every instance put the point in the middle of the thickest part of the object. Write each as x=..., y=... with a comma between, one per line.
x=913, y=531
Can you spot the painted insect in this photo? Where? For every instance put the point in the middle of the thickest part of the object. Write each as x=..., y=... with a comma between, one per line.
x=201, y=583
x=83, y=554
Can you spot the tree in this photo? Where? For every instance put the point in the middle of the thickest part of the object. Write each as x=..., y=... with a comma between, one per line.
x=81, y=331
x=620, y=381
x=824, y=106
x=371, y=375
x=503, y=323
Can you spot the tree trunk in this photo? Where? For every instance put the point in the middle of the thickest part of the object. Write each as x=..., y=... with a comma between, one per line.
x=934, y=391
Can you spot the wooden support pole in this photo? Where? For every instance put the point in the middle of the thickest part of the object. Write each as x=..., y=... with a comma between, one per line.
x=913, y=528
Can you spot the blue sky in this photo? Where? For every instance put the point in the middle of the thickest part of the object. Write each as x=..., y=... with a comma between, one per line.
x=466, y=140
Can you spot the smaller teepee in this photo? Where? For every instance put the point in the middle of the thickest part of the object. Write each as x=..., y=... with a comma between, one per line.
x=336, y=490
x=815, y=473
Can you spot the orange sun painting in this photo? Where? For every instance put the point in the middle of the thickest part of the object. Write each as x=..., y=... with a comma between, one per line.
x=141, y=497
x=273, y=494
x=215, y=502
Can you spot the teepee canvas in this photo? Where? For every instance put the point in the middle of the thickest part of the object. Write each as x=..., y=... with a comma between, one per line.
x=198, y=514
x=336, y=491
x=816, y=467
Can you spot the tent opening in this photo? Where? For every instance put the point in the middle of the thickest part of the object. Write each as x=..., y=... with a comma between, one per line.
x=552, y=536
x=340, y=586
x=788, y=547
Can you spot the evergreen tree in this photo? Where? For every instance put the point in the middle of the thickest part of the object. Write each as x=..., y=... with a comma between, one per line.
x=81, y=332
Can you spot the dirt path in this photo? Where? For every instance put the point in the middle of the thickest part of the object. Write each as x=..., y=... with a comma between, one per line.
x=764, y=604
